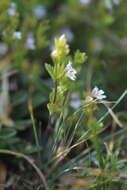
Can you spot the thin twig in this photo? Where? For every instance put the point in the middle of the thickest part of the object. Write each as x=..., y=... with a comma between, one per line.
x=30, y=161
x=30, y=107
x=113, y=107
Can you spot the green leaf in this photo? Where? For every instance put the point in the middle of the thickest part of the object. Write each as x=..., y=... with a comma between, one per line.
x=6, y=133
x=54, y=108
x=50, y=70
x=22, y=124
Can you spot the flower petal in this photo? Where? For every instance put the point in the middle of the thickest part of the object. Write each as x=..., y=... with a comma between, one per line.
x=62, y=37
x=70, y=71
x=100, y=92
x=95, y=91
x=100, y=97
x=89, y=98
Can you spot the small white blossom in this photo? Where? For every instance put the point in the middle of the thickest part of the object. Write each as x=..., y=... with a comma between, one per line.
x=96, y=94
x=30, y=42
x=75, y=101
x=108, y=4
x=62, y=37
x=17, y=35
x=12, y=10
x=4, y=33
x=85, y=1
x=97, y=44
x=3, y=48
x=68, y=33
x=117, y=2
x=54, y=53
x=59, y=41
x=70, y=71
x=99, y=94
x=39, y=11
x=89, y=98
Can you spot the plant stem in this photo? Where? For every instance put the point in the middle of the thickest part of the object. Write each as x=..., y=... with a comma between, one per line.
x=97, y=147
x=55, y=93
x=34, y=125
x=30, y=161
x=49, y=126
x=34, y=129
x=117, y=102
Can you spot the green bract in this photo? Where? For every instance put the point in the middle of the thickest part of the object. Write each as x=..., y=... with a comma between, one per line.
x=79, y=57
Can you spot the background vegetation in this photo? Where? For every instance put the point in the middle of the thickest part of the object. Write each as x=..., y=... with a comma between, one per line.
x=67, y=151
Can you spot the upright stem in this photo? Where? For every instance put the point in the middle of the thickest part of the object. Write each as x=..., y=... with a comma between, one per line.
x=95, y=138
x=54, y=100
x=55, y=93
x=34, y=125
x=34, y=129
x=98, y=150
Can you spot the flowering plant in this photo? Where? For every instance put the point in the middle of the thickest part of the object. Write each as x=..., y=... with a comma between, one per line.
x=62, y=72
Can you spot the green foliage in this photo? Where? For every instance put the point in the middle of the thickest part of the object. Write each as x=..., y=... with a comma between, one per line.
x=74, y=142
x=79, y=57
x=60, y=71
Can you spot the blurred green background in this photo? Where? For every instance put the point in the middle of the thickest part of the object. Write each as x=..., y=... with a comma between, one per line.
x=96, y=27
x=27, y=32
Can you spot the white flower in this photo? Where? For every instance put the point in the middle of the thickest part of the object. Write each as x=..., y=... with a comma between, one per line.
x=54, y=53
x=68, y=33
x=39, y=11
x=96, y=94
x=17, y=35
x=62, y=37
x=97, y=44
x=75, y=101
x=12, y=10
x=60, y=46
x=89, y=98
x=30, y=42
x=108, y=4
x=70, y=71
x=4, y=33
x=85, y=1
x=99, y=94
x=117, y=2
x=3, y=48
